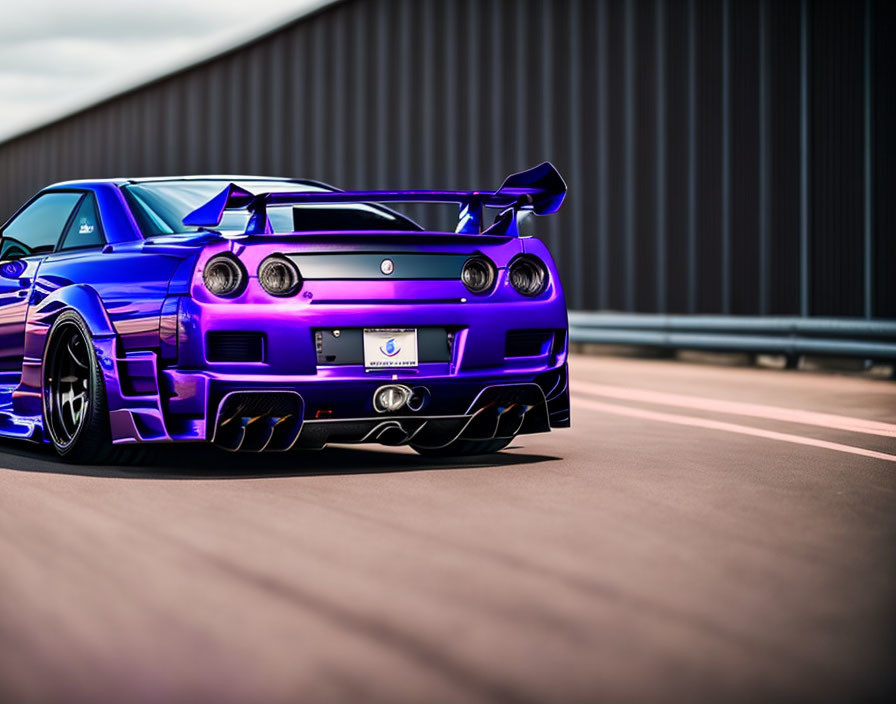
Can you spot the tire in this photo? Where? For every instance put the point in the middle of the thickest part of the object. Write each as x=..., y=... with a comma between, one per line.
x=76, y=418
x=465, y=448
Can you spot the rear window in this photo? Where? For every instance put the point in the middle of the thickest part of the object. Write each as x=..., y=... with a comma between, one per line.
x=160, y=207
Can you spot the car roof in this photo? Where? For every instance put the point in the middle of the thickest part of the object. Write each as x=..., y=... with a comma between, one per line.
x=192, y=177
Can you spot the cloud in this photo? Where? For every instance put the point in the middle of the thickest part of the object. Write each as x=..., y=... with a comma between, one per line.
x=124, y=19
x=70, y=56
x=56, y=56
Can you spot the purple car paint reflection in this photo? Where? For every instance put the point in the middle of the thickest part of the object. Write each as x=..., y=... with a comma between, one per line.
x=267, y=314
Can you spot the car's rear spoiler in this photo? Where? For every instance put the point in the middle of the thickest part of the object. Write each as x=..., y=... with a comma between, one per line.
x=540, y=190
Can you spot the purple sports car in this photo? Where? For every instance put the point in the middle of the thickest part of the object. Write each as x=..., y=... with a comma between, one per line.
x=265, y=314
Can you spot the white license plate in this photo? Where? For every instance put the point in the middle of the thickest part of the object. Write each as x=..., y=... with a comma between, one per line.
x=390, y=347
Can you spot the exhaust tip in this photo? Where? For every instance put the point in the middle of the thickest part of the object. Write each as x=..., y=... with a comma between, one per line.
x=391, y=398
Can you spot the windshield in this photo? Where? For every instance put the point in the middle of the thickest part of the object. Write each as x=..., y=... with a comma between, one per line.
x=159, y=208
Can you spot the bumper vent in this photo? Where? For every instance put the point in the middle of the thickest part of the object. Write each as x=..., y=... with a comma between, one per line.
x=258, y=421
x=528, y=343
x=235, y=347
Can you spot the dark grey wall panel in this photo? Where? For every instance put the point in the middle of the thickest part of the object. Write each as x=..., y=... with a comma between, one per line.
x=882, y=172
x=837, y=157
x=723, y=156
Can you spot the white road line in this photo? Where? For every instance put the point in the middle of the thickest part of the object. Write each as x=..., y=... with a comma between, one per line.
x=755, y=410
x=600, y=406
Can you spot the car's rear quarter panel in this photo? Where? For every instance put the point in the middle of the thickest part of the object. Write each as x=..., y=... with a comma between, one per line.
x=122, y=288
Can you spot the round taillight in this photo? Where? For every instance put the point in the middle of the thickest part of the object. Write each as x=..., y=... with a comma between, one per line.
x=224, y=276
x=279, y=276
x=478, y=274
x=528, y=275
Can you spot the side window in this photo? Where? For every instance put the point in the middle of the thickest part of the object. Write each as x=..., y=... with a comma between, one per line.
x=37, y=229
x=85, y=229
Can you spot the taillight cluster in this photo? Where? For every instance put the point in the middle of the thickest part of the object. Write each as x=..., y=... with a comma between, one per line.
x=279, y=276
x=527, y=274
x=225, y=276
x=478, y=275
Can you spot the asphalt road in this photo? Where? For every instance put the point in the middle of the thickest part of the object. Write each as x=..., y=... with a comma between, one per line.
x=700, y=534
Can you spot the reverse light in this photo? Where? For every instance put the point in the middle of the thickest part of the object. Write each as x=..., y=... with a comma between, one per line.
x=224, y=276
x=279, y=276
x=478, y=274
x=528, y=275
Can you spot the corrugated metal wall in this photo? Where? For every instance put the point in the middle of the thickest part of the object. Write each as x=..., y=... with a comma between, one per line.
x=723, y=156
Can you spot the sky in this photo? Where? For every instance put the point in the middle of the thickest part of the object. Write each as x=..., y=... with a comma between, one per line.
x=60, y=55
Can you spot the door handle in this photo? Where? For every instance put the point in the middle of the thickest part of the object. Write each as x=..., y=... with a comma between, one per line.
x=23, y=293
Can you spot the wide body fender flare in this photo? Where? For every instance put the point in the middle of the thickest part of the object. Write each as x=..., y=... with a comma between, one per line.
x=85, y=301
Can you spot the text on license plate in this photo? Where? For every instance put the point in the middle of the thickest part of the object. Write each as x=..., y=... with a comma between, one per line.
x=390, y=347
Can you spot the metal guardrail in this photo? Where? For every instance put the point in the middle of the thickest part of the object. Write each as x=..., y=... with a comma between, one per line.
x=791, y=336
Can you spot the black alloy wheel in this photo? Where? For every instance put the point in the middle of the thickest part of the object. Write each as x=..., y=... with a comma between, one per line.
x=76, y=420
x=67, y=390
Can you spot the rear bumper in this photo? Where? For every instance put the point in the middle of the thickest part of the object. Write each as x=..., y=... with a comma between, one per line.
x=271, y=421
x=276, y=413
x=301, y=388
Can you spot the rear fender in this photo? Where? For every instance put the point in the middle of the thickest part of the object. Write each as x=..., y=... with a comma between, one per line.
x=79, y=297
x=130, y=378
x=86, y=302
